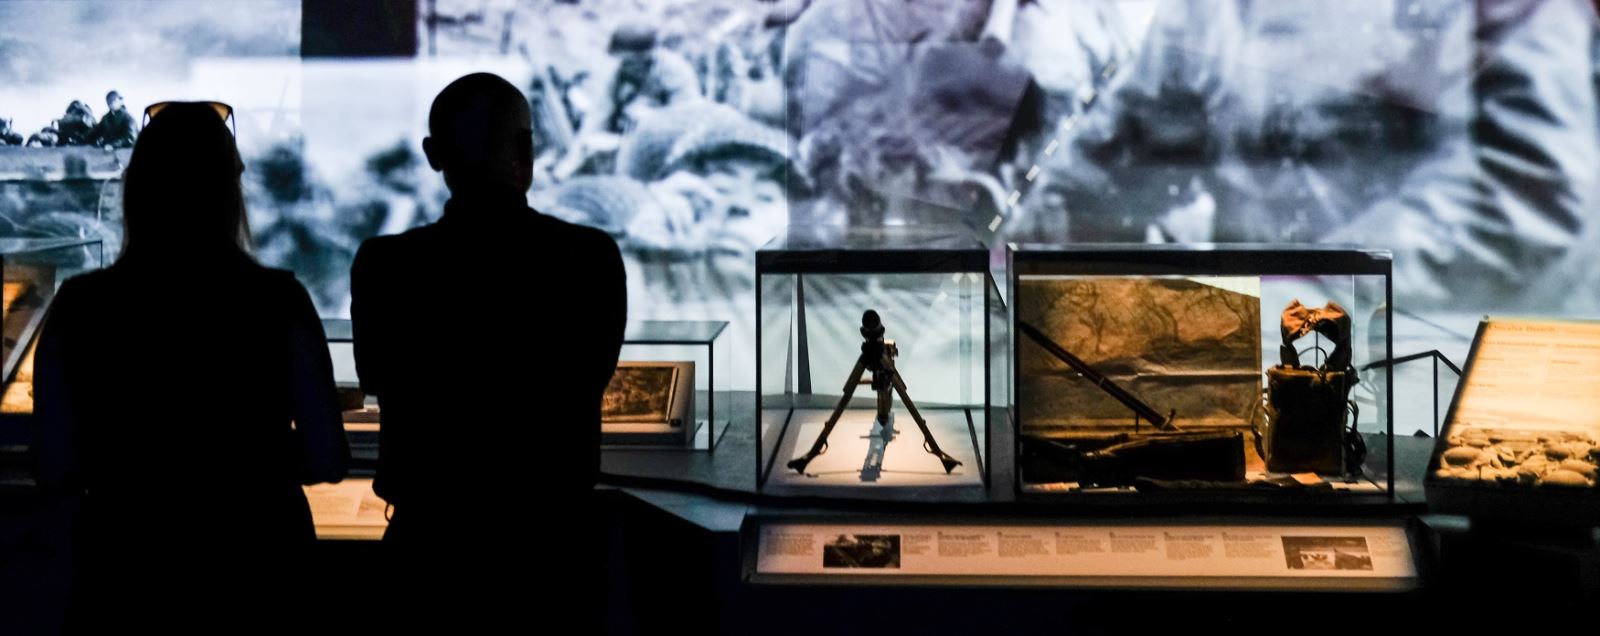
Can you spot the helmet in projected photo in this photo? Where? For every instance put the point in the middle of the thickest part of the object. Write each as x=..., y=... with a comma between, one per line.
x=632, y=37
x=607, y=203
x=731, y=135
x=646, y=148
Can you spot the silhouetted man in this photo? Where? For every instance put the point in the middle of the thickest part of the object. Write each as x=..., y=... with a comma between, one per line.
x=489, y=338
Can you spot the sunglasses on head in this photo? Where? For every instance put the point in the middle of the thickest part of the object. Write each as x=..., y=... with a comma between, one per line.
x=223, y=111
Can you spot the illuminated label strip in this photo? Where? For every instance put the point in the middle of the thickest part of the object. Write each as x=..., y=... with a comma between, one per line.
x=1206, y=551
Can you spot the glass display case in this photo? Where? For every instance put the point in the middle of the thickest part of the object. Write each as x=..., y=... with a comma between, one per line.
x=666, y=391
x=1230, y=370
x=33, y=270
x=360, y=411
x=873, y=361
x=1521, y=439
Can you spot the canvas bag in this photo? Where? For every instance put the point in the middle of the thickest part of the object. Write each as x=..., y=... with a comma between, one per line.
x=1307, y=407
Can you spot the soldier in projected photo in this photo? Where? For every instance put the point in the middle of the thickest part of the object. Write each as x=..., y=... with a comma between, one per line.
x=648, y=76
x=74, y=128
x=902, y=111
x=8, y=136
x=723, y=188
x=1461, y=139
x=116, y=128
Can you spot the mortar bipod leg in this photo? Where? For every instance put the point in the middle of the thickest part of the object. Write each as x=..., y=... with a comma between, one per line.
x=928, y=443
x=821, y=445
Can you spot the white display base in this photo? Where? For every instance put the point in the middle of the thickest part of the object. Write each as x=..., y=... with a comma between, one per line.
x=1362, y=485
x=1239, y=556
x=647, y=435
x=702, y=434
x=699, y=441
x=859, y=454
x=347, y=510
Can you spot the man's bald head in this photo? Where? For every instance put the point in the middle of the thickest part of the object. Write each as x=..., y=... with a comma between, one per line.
x=480, y=136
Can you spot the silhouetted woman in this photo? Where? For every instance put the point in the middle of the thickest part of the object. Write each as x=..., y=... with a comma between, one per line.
x=183, y=395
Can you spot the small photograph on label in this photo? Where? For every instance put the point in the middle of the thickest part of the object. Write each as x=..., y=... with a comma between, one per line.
x=872, y=551
x=1327, y=553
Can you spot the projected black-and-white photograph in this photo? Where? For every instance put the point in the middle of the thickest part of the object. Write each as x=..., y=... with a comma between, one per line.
x=74, y=85
x=695, y=130
x=1083, y=120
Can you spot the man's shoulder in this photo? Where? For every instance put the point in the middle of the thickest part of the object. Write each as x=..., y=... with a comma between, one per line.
x=559, y=232
x=541, y=230
x=398, y=245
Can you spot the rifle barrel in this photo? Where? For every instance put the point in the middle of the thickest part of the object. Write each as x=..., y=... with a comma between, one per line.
x=1100, y=380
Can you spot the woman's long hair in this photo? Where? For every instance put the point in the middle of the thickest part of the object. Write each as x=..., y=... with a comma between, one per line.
x=181, y=194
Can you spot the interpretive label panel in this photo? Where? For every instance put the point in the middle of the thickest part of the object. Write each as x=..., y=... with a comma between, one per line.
x=1088, y=551
x=1534, y=375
